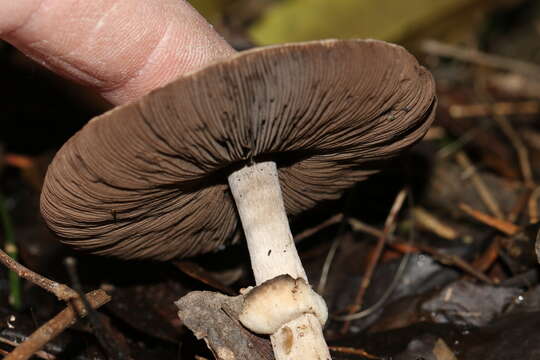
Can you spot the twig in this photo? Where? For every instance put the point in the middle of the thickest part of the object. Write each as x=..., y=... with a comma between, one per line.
x=40, y=354
x=375, y=256
x=435, y=133
x=478, y=183
x=311, y=231
x=321, y=287
x=445, y=259
x=459, y=111
x=456, y=145
x=113, y=351
x=402, y=246
x=62, y=292
x=480, y=58
x=390, y=289
x=428, y=221
x=488, y=257
x=533, y=205
x=519, y=206
x=516, y=141
x=531, y=137
x=198, y=273
x=521, y=149
x=515, y=84
x=504, y=226
x=353, y=351
x=523, y=158
x=11, y=249
x=19, y=161
x=56, y=325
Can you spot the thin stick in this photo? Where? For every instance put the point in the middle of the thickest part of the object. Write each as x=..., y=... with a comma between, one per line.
x=198, y=273
x=521, y=149
x=321, y=287
x=323, y=279
x=353, y=351
x=56, y=325
x=515, y=84
x=445, y=259
x=533, y=205
x=488, y=257
x=311, y=231
x=435, y=133
x=516, y=141
x=519, y=206
x=40, y=354
x=385, y=296
x=480, y=58
x=402, y=246
x=336, y=243
x=375, y=256
x=456, y=145
x=523, y=158
x=112, y=350
x=478, y=183
x=459, y=111
x=428, y=221
x=395, y=280
x=504, y=226
x=19, y=161
x=62, y=292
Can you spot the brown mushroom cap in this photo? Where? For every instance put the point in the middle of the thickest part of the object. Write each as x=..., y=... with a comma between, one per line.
x=149, y=179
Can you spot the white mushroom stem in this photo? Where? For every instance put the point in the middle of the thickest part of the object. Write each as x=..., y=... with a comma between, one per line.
x=257, y=193
x=258, y=198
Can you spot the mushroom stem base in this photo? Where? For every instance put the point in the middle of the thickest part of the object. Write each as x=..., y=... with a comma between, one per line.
x=300, y=339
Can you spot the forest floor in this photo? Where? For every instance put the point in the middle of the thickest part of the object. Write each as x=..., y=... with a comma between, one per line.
x=432, y=258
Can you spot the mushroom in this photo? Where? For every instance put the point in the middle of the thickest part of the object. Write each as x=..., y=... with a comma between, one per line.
x=266, y=133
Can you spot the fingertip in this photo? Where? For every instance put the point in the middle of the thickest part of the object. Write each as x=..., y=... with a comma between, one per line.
x=122, y=48
x=16, y=13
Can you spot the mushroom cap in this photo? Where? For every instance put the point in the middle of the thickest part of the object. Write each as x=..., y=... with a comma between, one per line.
x=149, y=179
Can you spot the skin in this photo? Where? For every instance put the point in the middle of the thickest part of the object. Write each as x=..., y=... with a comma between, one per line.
x=122, y=48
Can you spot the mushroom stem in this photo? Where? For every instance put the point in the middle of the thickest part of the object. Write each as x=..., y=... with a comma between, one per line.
x=257, y=193
x=258, y=198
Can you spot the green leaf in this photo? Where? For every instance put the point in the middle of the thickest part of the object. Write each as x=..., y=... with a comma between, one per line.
x=301, y=20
